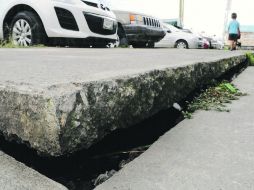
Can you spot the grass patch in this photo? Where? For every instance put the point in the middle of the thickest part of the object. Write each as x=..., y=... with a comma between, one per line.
x=10, y=44
x=123, y=46
x=250, y=58
x=5, y=44
x=226, y=47
x=214, y=98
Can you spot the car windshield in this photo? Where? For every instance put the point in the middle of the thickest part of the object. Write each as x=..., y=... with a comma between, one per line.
x=170, y=27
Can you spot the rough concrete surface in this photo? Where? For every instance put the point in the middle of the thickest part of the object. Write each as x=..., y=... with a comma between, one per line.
x=16, y=176
x=213, y=151
x=62, y=100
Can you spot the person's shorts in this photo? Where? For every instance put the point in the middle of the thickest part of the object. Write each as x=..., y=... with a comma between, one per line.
x=233, y=37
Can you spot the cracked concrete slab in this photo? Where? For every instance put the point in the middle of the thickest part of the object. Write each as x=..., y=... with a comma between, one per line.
x=214, y=150
x=62, y=100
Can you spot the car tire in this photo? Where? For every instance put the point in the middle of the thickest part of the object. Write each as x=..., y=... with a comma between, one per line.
x=121, y=38
x=143, y=45
x=101, y=45
x=27, y=29
x=139, y=45
x=181, y=44
x=151, y=45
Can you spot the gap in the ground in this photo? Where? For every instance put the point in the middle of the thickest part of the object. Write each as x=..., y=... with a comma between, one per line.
x=78, y=171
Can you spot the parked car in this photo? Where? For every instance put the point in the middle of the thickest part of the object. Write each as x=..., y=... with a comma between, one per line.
x=206, y=44
x=138, y=30
x=187, y=30
x=32, y=22
x=176, y=38
x=216, y=44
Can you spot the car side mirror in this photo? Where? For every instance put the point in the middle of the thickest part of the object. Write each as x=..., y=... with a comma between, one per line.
x=168, y=31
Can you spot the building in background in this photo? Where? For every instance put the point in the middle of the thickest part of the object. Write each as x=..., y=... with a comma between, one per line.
x=247, y=36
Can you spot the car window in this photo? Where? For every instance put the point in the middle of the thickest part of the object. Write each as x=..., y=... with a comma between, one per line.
x=170, y=27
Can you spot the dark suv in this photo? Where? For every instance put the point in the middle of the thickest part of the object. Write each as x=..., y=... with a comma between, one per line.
x=138, y=30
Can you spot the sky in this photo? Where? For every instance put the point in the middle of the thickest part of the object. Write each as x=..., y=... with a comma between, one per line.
x=200, y=15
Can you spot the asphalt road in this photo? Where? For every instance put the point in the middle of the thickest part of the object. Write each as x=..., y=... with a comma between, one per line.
x=49, y=66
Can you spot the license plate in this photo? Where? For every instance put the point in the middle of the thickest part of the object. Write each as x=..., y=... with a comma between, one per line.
x=108, y=24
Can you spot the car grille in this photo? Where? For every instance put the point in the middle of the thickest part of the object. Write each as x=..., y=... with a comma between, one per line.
x=151, y=22
x=95, y=24
x=66, y=19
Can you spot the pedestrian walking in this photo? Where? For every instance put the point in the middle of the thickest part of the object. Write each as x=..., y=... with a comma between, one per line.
x=233, y=32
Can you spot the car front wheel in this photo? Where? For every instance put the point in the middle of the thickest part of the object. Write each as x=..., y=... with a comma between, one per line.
x=27, y=29
x=181, y=44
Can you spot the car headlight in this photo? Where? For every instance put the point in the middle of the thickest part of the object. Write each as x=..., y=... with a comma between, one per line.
x=136, y=19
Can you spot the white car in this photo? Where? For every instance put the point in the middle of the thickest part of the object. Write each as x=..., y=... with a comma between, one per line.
x=217, y=44
x=176, y=38
x=30, y=22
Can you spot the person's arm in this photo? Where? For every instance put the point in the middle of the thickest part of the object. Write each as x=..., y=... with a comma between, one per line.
x=239, y=32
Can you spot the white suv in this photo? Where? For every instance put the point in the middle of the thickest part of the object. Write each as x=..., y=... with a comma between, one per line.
x=30, y=22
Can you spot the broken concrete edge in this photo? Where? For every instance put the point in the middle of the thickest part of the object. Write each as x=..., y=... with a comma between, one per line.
x=206, y=152
x=15, y=175
x=66, y=118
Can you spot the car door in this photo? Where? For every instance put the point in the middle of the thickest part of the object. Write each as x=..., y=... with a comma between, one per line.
x=167, y=41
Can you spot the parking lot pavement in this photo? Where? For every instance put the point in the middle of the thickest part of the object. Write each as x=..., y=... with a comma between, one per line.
x=212, y=151
x=49, y=66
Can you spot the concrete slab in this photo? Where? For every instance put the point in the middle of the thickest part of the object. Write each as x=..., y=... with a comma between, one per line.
x=52, y=66
x=212, y=151
x=62, y=100
x=15, y=176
